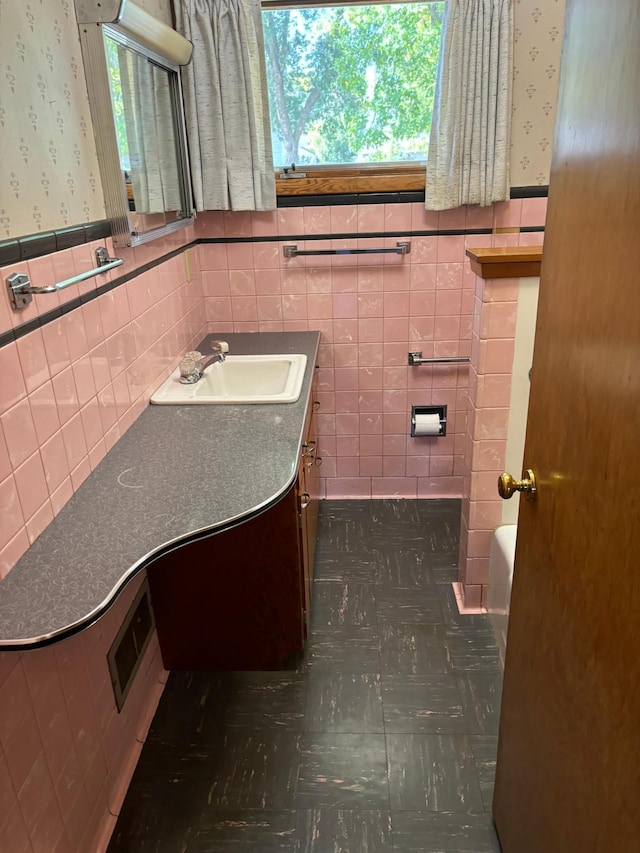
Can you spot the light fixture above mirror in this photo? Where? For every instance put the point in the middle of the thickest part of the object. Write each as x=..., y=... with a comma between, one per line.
x=132, y=64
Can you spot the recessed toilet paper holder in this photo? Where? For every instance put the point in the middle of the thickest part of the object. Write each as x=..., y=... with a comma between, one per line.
x=441, y=411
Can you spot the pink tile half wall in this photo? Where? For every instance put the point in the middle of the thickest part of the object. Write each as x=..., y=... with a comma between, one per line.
x=485, y=442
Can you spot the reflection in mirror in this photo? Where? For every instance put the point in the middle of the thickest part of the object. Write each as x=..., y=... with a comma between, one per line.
x=143, y=112
x=136, y=108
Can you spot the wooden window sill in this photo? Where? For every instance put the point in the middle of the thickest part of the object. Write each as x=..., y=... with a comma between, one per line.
x=353, y=180
x=506, y=262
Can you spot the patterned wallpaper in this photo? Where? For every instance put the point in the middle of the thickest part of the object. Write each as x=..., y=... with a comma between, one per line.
x=49, y=175
x=539, y=25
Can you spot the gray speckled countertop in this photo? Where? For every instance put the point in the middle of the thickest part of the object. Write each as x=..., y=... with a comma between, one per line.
x=178, y=470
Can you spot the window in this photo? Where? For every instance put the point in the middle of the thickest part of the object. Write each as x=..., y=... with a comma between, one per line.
x=351, y=93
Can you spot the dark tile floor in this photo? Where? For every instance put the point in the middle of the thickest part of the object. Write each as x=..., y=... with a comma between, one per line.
x=382, y=738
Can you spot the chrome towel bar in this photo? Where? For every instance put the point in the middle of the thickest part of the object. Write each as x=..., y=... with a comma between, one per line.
x=415, y=358
x=401, y=248
x=21, y=291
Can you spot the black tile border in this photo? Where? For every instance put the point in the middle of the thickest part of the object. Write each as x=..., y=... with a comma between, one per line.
x=405, y=197
x=9, y=252
x=368, y=235
x=38, y=322
x=45, y=242
x=541, y=191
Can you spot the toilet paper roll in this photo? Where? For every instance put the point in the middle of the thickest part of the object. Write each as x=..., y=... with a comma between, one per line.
x=427, y=424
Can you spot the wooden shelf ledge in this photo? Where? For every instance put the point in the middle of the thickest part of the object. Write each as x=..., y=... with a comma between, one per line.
x=506, y=262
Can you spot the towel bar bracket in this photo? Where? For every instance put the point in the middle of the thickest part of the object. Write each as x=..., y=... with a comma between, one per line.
x=19, y=296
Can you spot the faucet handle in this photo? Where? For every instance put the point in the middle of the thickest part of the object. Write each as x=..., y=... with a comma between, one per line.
x=194, y=355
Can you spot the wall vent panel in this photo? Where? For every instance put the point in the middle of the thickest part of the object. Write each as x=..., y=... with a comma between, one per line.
x=130, y=644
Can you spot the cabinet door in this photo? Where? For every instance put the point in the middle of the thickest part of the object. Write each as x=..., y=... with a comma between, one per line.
x=233, y=600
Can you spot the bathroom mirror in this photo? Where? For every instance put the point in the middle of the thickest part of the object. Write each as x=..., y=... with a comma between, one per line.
x=138, y=119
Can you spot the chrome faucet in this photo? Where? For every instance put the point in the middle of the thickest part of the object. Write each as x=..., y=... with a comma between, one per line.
x=194, y=364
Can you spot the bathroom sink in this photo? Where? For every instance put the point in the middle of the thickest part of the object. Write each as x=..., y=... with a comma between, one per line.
x=238, y=380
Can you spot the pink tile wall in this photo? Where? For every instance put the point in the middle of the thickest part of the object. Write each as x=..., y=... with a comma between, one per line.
x=69, y=391
x=371, y=311
x=492, y=348
x=66, y=754
x=72, y=388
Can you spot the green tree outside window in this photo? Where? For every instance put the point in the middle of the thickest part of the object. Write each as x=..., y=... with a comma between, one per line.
x=352, y=84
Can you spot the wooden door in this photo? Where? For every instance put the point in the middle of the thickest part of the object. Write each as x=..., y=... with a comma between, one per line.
x=568, y=778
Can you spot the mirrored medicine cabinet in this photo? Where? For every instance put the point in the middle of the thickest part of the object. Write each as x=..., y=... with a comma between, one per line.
x=133, y=82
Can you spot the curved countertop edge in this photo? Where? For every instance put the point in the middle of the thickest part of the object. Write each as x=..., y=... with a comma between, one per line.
x=30, y=643
x=27, y=643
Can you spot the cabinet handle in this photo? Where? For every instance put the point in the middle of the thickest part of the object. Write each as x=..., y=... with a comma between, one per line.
x=309, y=446
x=305, y=500
x=316, y=405
x=318, y=461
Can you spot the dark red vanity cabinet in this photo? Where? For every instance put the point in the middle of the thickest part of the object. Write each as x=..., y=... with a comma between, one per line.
x=240, y=599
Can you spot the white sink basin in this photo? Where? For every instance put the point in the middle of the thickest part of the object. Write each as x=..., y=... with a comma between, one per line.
x=239, y=380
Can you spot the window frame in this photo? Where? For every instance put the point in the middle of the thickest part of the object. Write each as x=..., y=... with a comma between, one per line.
x=356, y=178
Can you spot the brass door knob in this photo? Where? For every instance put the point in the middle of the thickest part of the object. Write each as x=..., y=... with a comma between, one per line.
x=507, y=485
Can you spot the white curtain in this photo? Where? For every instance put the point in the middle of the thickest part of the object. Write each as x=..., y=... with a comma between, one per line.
x=470, y=134
x=148, y=116
x=227, y=105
